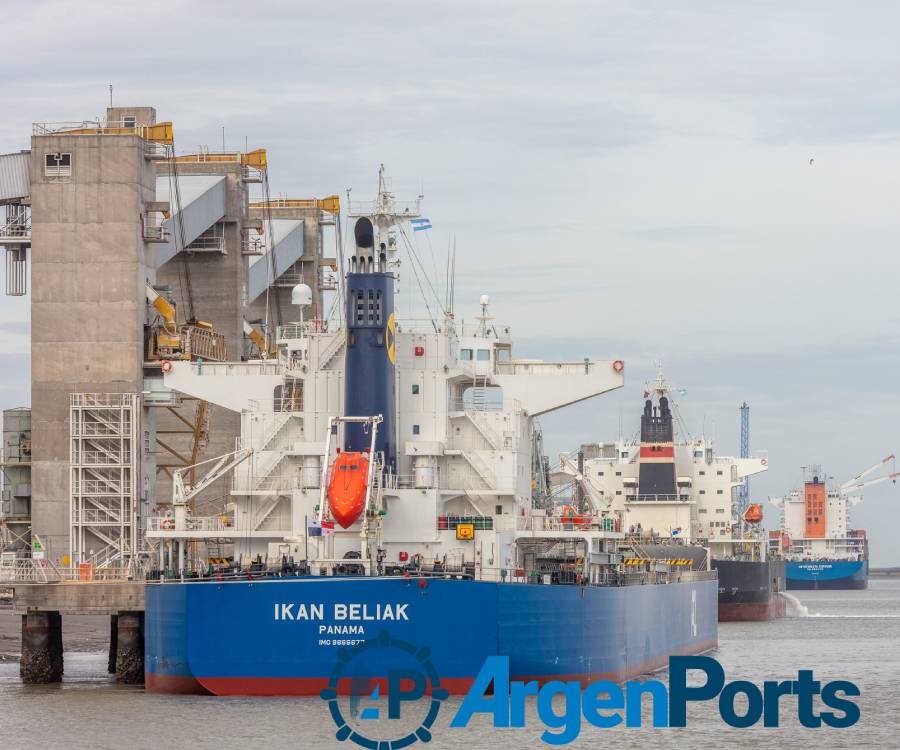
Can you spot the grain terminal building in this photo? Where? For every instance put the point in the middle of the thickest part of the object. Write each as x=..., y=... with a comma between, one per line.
x=138, y=256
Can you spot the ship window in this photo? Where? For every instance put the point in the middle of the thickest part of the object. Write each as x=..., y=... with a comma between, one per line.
x=698, y=454
x=465, y=355
x=618, y=492
x=498, y=509
x=360, y=307
x=718, y=492
x=720, y=510
x=702, y=492
x=618, y=473
x=378, y=309
x=415, y=429
x=624, y=454
x=415, y=389
x=701, y=510
x=128, y=121
x=702, y=473
x=719, y=473
x=484, y=355
x=58, y=165
x=599, y=473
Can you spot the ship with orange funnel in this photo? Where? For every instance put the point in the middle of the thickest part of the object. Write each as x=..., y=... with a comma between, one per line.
x=820, y=548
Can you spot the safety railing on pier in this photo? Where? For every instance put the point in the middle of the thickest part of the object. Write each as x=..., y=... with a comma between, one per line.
x=27, y=571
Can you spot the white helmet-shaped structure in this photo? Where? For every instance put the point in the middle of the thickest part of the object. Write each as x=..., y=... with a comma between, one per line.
x=301, y=295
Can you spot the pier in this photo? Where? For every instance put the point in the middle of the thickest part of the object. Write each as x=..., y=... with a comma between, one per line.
x=41, y=606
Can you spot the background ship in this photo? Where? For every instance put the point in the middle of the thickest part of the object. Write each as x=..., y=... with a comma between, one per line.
x=820, y=549
x=388, y=478
x=680, y=500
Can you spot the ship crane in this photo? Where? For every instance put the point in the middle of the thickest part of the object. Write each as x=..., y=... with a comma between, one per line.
x=183, y=493
x=855, y=484
x=597, y=499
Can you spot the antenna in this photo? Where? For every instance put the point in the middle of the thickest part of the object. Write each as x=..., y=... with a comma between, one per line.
x=110, y=95
x=453, y=276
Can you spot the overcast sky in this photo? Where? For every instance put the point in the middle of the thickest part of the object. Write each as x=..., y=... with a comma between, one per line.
x=622, y=181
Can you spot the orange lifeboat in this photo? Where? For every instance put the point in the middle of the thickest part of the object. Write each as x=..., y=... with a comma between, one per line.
x=754, y=513
x=347, y=488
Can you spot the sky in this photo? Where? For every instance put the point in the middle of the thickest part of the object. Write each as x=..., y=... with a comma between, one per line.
x=711, y=186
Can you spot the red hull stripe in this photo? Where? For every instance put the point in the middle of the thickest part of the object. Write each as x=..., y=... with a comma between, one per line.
x=753, y=611
x=311, y=686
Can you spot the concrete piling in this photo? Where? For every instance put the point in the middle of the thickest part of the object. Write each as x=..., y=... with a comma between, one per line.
x=42, y=649
x=130, y=648
x=113, y=643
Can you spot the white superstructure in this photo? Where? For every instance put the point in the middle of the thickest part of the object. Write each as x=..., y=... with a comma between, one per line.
x=465, y=409
x=701, y=507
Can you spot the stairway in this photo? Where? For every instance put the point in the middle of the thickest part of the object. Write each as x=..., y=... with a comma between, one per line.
x=331, y=349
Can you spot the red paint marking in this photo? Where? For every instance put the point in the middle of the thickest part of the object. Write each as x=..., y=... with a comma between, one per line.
x=658, y=451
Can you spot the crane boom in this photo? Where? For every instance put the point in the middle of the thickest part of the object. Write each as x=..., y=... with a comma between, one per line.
x=868, y=471
x=845, y=488
x=567, y=466
x=182, y=493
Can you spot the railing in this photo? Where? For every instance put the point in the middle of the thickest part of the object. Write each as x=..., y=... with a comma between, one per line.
x=252, y=245
x=28, y=570
x=222, y=523
x=203, y=343
x=293, y=331
x=508, y=405
x=154, y=150
x=208, y=242
x=583, y=522
x=282, y=405
x=101, y=399
x=544, y=368
x=153, y=229
x=635, y=497
x=100, y=458
x=96, y=487
x=238, y=369
x=98, y=429
x=96, y=516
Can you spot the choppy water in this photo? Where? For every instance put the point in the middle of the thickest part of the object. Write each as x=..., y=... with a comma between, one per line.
x=851, y=635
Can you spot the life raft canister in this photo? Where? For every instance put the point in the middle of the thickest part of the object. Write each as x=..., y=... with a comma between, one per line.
x=754, y=513
x=347, y=487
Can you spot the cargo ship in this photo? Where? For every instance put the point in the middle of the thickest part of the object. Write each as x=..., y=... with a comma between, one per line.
x=820, y=549
x=680, y=500
x=389, y=484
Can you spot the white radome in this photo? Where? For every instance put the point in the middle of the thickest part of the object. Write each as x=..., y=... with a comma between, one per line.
x=301, y=295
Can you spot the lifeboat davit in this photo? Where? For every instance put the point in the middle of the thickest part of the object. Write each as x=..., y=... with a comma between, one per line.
x=347, y=488
x=754, y=513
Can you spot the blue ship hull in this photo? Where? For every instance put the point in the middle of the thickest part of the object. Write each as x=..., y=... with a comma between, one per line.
x=827, y=574
x=283, y=636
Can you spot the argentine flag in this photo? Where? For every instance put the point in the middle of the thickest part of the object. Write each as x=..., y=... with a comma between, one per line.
x=419, y=224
